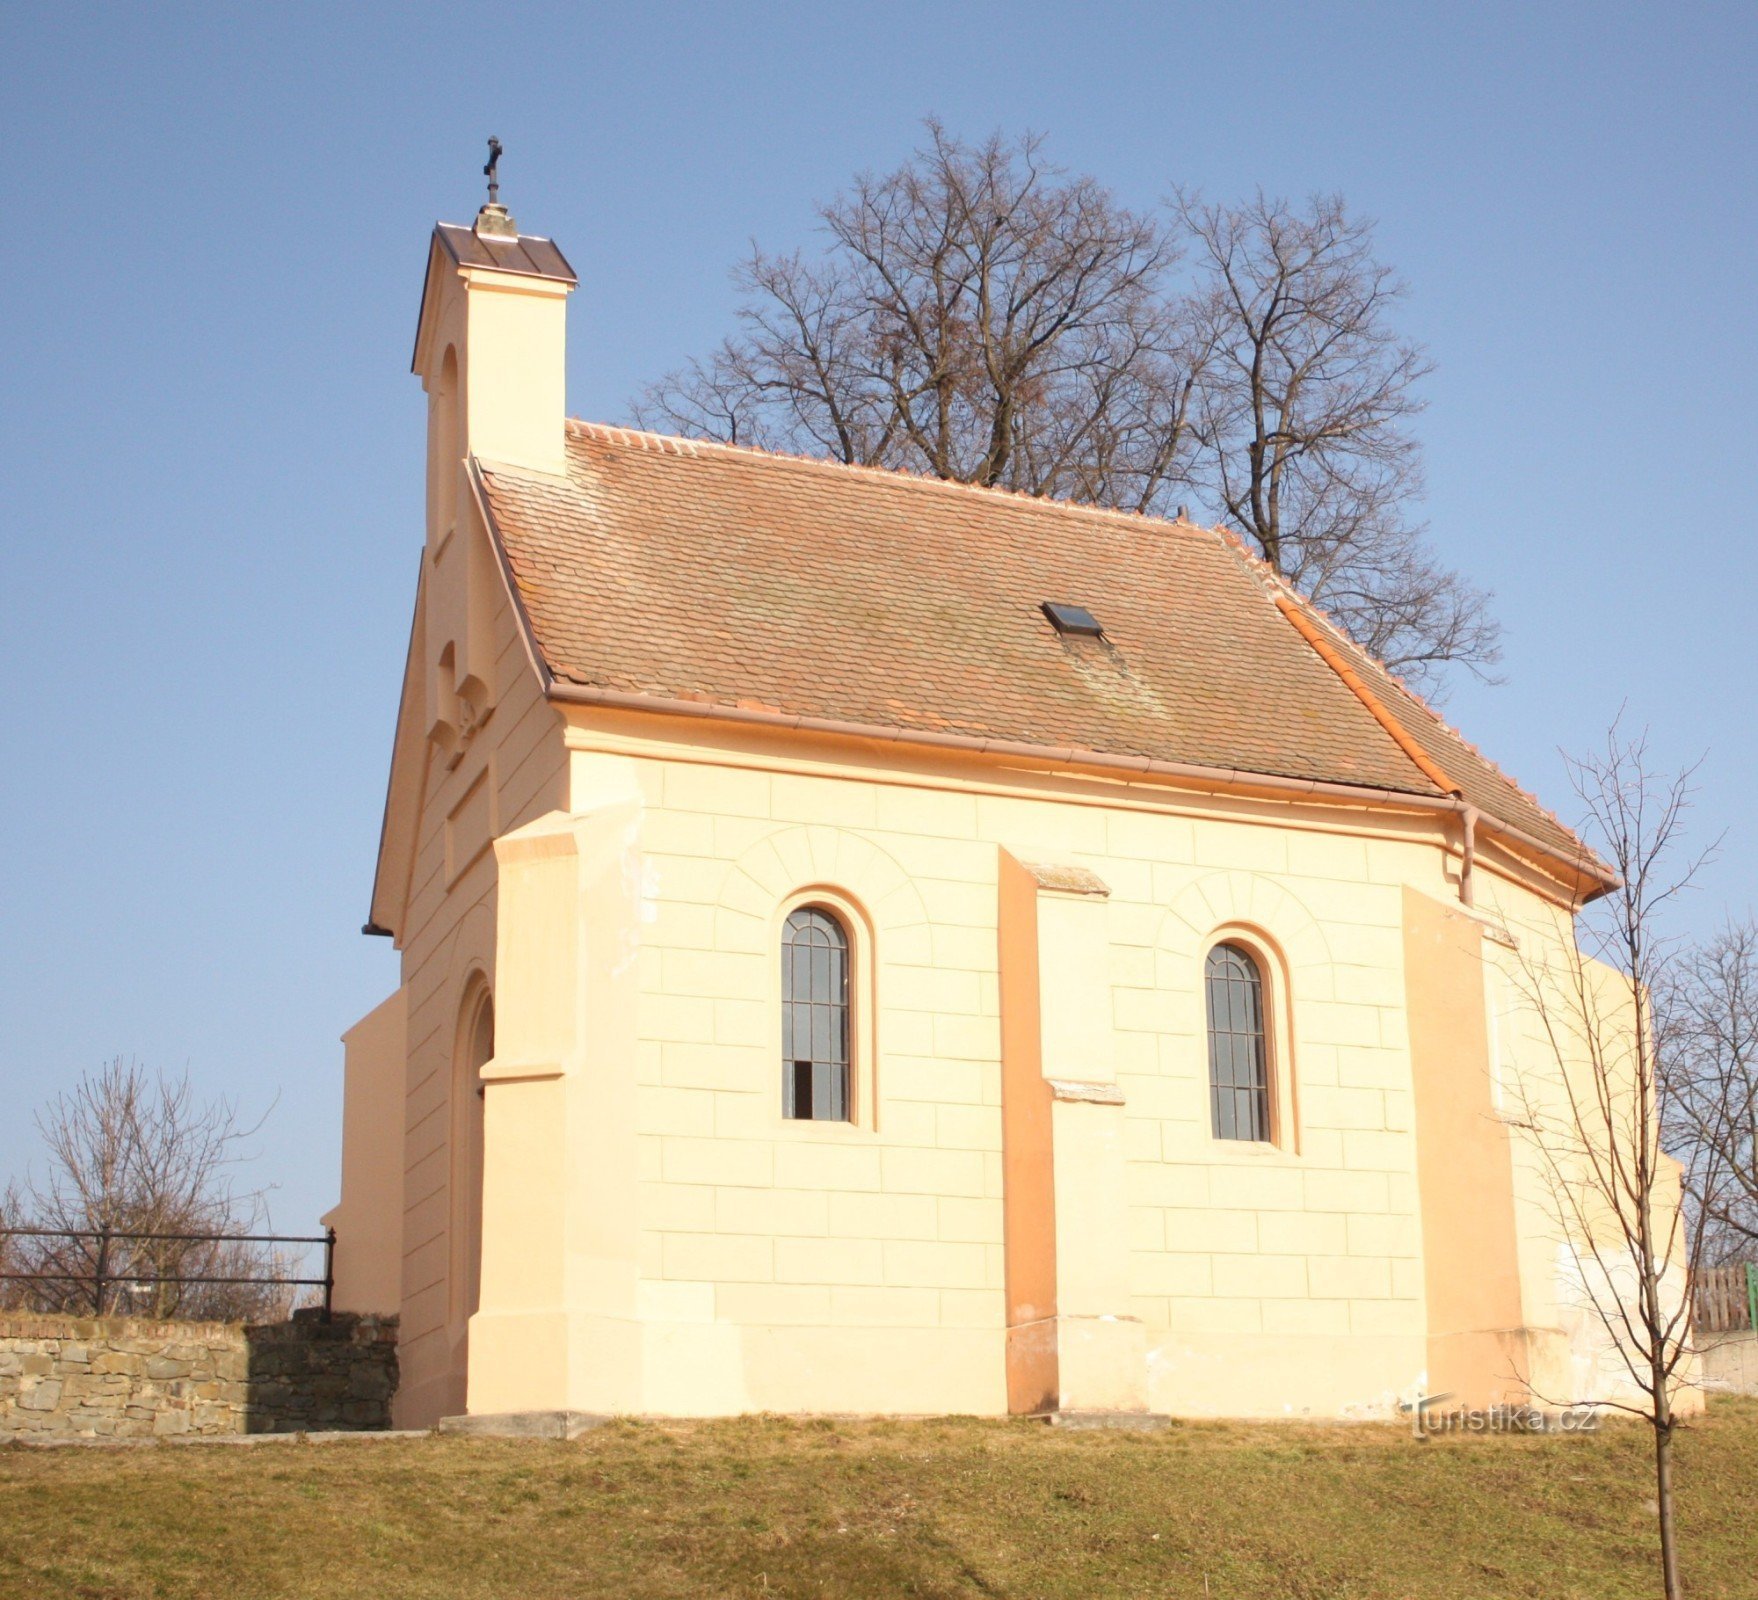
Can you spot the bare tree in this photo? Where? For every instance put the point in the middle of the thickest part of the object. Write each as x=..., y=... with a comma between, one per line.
x=978, y=314
x=132, y=1154
x=1304, y=407
x=982, y=315
x=1592, y=1113
x=14, y=1295
x=1711, y=1087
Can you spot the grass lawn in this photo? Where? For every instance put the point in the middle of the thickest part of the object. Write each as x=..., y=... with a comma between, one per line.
x=767, y=1507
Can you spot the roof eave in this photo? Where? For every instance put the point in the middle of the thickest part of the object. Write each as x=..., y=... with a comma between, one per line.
x=1585, y=879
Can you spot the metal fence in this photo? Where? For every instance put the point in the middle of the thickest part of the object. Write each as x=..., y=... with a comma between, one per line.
x=1725, y=1299
x=110, y=1273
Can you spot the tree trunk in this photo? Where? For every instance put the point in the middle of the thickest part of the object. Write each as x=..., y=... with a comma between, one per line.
x=1663, y=1489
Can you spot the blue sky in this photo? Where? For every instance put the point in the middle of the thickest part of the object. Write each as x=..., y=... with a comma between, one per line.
x=212, y=443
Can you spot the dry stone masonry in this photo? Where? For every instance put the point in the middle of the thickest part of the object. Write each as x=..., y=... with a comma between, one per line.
x=118, y=1378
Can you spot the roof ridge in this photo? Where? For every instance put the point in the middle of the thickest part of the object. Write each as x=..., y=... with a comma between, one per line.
x=1301, y=613
x=677, y=445
x=1290, y=607
x=1395, y=679
x=1454, y=732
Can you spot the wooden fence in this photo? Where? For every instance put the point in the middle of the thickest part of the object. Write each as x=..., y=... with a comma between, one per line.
x=1726, y=1298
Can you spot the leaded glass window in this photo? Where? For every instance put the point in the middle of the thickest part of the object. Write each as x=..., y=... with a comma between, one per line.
x=1239, y=1093
x=814, y=1017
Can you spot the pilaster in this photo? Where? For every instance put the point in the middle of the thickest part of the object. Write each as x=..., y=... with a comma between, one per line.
x=1072, y=1344
x=556, y=1328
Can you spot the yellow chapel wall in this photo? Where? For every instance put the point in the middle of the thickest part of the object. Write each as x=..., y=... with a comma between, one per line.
x=490, y=351
x=1574, y=1262
x=801, y=1266
x=368, y=1218
x=513, y=770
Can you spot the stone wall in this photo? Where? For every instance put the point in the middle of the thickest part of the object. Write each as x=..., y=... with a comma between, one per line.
x=120, y=1378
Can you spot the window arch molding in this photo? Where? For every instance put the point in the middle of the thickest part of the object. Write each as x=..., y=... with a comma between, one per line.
x=857, y=928
x=1281, y=1081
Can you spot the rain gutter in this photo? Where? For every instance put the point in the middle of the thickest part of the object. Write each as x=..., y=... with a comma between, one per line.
x=1218, y=780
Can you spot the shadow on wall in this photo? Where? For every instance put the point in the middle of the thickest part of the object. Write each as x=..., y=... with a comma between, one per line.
x=120, y=1378
x=310, y=1376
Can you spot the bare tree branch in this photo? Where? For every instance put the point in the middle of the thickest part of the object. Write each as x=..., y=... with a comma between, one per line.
x=1304, y=406
x=137, y=1153
x=1593, y=1111
x=1709, y=1013
x=979, y=314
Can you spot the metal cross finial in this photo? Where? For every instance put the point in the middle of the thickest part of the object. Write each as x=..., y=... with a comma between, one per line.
x=490, y=172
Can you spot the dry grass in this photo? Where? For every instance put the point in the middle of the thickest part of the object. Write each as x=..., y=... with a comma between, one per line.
x=764, y=1507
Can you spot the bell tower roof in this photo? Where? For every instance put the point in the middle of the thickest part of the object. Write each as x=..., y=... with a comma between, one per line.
x=522, y=253
x=492, y=244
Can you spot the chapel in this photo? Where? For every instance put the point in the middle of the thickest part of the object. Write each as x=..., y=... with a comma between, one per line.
x=875, y=945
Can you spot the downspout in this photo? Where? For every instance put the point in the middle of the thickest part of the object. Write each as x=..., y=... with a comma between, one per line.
x=1467, y=886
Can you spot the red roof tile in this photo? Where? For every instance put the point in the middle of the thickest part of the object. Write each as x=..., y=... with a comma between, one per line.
x=737, y=578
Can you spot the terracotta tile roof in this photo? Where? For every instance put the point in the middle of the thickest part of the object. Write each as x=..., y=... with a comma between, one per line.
x=1481, y=780
x=739, y=578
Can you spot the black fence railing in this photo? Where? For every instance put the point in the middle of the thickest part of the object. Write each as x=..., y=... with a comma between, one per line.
x=110, y=1269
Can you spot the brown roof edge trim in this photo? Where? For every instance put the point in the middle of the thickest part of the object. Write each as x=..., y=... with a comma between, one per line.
x=1220, y=780
x=1333, y=658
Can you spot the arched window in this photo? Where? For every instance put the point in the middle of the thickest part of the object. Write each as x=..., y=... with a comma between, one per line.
x=1239, y=1090
x=814, y=1017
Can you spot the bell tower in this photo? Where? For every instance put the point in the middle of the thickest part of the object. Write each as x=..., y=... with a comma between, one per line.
x=491, y=352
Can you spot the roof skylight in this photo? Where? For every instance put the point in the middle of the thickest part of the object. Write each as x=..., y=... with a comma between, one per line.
x=1067, y=618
